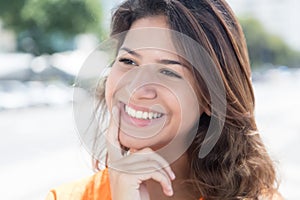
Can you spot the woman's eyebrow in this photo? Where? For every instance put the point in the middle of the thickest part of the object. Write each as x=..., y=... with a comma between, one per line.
x=170, y=62
x=173, y=62
x=162, y=61
x=132, y=52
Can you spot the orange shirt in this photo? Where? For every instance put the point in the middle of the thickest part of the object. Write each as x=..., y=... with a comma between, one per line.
x=95, y=188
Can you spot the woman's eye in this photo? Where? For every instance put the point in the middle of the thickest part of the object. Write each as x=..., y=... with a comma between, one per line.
x=170, y=73
x=127, y=61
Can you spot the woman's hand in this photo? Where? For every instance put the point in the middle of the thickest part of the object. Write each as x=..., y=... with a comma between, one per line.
x=128, y=173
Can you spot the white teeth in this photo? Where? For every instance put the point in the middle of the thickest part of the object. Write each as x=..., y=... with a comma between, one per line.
x=131, y=112
x=145, y=115
x=140, y=114
x=150, y=115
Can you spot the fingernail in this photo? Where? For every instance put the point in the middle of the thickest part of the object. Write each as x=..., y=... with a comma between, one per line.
x=172, y=175
x=170, y=191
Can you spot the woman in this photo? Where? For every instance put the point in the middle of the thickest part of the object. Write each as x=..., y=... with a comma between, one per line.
x=182, y=108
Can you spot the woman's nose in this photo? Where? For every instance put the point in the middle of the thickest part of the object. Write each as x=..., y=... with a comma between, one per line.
x=144, y=92
x=142, y=85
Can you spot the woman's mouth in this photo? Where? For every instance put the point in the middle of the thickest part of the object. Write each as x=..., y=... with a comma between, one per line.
x=139, y=116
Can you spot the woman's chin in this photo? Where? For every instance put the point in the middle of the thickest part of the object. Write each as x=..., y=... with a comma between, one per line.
x=132, y=142
x=136, y=144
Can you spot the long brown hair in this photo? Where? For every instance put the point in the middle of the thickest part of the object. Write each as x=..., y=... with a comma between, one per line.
x=238, y=167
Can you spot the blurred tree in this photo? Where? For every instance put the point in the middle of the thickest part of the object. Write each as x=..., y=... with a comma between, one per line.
x=46, y=26
x=267, y=48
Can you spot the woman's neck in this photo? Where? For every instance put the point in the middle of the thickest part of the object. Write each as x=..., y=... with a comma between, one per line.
x=181, y=189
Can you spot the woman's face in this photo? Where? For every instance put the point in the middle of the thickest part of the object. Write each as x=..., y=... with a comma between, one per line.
x=153, y=89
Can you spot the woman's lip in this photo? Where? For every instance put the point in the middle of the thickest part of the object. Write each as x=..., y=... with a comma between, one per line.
x=139, y=108
x=134, y=121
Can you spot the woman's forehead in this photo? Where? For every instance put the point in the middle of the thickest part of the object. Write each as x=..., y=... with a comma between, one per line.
x=150, y=38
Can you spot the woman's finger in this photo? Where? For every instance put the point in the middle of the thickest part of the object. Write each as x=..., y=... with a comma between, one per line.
x=112, y=142
x=148, y=154
x=147, y=166
x=161, y=178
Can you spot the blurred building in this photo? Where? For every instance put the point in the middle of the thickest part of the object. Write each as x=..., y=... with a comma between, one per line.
x=108, y=7
x=7, y=40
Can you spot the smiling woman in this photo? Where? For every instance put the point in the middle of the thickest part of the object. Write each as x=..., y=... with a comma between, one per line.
x=181, y=107
x=151, y=81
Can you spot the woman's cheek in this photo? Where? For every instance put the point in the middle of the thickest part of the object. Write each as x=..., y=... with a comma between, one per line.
x=113, y=84
x=108, y=93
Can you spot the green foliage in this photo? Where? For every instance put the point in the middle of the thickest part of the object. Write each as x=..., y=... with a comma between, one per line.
x=267, y=48
x=45, y=21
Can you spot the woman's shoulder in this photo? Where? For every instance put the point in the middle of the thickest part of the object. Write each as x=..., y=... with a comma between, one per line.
x=77, y=190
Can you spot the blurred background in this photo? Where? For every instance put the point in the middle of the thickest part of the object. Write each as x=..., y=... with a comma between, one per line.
x=44, y=43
